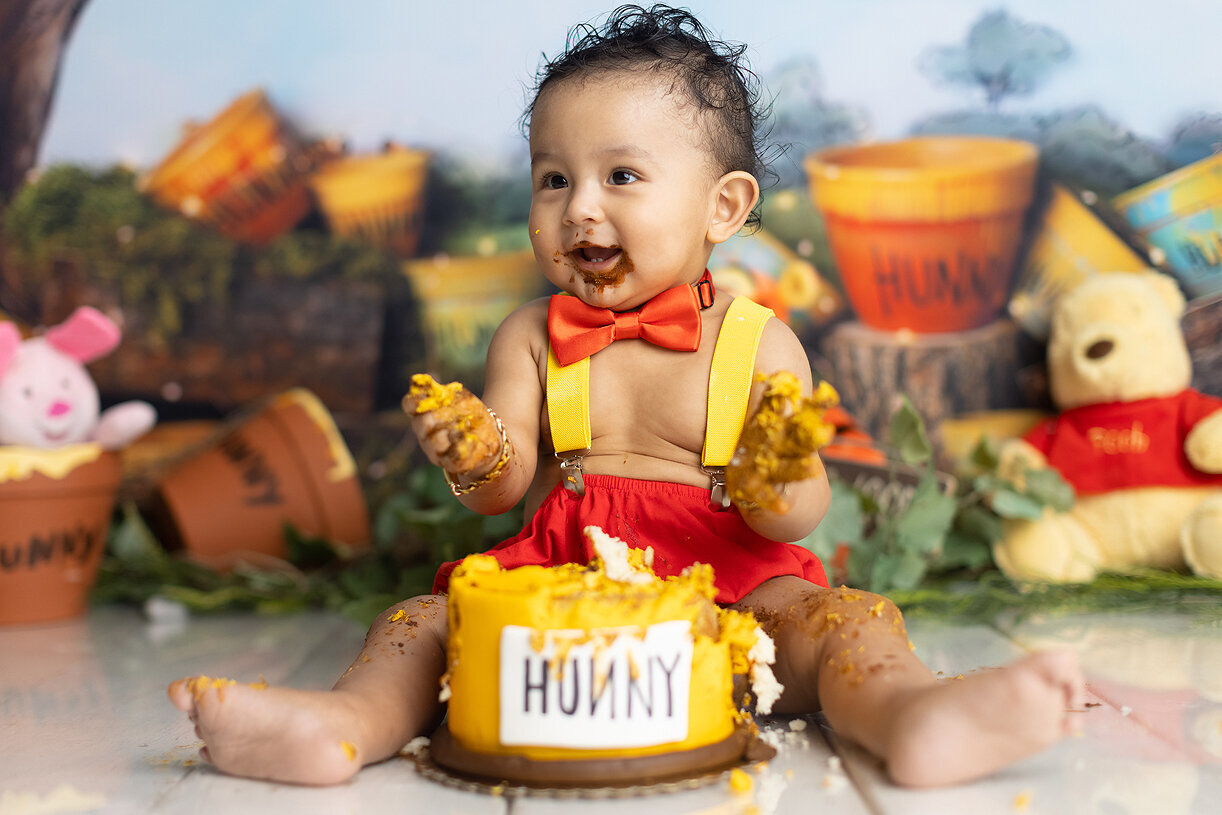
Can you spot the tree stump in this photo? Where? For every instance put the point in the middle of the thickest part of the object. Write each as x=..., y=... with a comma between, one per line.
x=943, y=374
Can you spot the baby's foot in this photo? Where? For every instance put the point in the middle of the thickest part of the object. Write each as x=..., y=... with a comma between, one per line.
x=277, y=734
x=961, y=729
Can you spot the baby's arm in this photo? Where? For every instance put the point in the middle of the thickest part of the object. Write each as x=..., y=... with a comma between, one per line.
x=781, y=489
x=489, y=466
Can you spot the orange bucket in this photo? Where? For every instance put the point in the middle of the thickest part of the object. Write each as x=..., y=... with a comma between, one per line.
x=284, y=464
x=55, y=511
x=243, y=173
x=378, y=198
x=925, y=231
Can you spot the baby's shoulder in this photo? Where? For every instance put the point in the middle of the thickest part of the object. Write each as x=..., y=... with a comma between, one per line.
x=526, y=326
x=530, y=316
x=781, y=349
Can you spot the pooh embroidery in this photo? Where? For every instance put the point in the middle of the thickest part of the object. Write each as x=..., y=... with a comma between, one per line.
x=1097, y=448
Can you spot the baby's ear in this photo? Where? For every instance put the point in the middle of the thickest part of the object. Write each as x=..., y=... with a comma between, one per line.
x=737, y=194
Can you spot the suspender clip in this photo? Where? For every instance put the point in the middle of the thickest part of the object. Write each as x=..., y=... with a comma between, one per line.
x=570, y=472
x=719, y=496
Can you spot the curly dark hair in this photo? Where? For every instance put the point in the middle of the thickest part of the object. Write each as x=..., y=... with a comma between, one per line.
x=666, y=40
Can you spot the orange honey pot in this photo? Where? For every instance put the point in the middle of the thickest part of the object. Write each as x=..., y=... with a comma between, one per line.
x=925, y=231
x=55, y=512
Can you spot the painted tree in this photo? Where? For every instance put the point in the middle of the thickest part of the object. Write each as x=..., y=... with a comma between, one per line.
x=1002, y=55
x=33, y=34
x=1194, y=137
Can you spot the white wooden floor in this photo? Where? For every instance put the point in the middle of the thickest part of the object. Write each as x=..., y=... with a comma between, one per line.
x=85, y=726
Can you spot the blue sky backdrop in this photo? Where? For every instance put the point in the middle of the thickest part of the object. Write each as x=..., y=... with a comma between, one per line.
x=453, y=74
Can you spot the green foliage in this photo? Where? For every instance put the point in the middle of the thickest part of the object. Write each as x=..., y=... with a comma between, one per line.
x=414, y=531
x=157, y=260
x=937, y=532
x=984, y=598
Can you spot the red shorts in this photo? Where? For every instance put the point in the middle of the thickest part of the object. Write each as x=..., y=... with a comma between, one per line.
x=674, y=519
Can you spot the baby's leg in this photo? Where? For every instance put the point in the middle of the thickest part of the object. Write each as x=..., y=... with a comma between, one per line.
x=847, y=653
x=387, y=696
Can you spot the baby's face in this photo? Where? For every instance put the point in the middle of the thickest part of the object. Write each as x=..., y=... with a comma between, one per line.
x=623, y=189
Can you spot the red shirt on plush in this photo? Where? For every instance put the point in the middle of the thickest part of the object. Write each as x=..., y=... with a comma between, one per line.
x=1117, y=445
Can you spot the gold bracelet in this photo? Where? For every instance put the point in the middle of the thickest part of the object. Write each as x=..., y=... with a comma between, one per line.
x=497, y=470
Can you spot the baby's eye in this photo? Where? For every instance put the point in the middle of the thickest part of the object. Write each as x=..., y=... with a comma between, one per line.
x=621, y=177
x=554, y=181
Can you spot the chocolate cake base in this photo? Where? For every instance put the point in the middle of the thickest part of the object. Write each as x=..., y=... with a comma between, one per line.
x=740, y=747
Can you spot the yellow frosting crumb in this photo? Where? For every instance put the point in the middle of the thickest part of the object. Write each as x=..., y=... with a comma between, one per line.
x=349, y=750
x=398, y=615
x=200, y=685
x=431, y=394
x=740, y=782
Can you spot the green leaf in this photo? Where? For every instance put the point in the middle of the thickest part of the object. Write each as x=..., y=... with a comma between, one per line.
x=863, y=561
x=908, y=434
x=910, y=572
x=133, y=544
x=923, y=525
x=843, y=523
x=1010, y=504
x=984, y=455
x=308, y=552
x=1049, y=488
x=903, y=572
x=978, y=522
x=960, y=551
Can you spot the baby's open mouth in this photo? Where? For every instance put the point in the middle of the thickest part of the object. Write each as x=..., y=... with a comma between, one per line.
x=600, y=266
x=595, y=257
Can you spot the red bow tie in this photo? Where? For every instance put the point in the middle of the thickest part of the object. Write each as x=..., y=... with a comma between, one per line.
x=670, y=319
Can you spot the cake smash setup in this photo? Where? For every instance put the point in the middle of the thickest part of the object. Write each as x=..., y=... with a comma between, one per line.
x=574, y=660
x=598, y=676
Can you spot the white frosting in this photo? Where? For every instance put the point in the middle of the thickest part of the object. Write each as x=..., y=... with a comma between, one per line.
x=764, y=683
x=614, y=554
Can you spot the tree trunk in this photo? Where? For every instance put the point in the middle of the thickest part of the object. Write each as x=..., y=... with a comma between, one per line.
x=943, y=375
x=33, y=34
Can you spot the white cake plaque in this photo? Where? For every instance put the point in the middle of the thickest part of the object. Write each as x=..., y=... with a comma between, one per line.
x=624, y=691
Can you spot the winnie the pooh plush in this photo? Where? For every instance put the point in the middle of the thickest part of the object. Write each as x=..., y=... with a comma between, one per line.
x=1142, y=450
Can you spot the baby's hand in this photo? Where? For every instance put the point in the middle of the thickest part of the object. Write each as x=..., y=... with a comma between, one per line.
x=456, y=430
x=780, y=443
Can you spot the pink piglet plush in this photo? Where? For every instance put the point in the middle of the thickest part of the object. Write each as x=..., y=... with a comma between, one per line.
x=48, y=399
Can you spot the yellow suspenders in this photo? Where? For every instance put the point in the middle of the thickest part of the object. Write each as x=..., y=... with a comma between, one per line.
x=568, y=394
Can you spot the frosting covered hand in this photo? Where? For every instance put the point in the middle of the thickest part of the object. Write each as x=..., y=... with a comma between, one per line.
x=779, y=444
x=456, y=430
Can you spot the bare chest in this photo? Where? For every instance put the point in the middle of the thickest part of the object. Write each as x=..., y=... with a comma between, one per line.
x=644, y=401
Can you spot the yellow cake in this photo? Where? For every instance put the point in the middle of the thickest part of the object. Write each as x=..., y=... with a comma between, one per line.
x=600, y=662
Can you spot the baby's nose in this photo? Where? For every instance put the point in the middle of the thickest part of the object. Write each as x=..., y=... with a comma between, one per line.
x=59, y=409
x=583, y=205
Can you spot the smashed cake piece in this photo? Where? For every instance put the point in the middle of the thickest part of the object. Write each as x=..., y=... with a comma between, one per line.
x=780, y=442
x=461, y=431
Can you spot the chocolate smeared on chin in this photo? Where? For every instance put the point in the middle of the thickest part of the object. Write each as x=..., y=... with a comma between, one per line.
x=612, y=276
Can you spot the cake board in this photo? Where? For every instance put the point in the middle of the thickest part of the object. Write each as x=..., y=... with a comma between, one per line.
x=446, y=762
